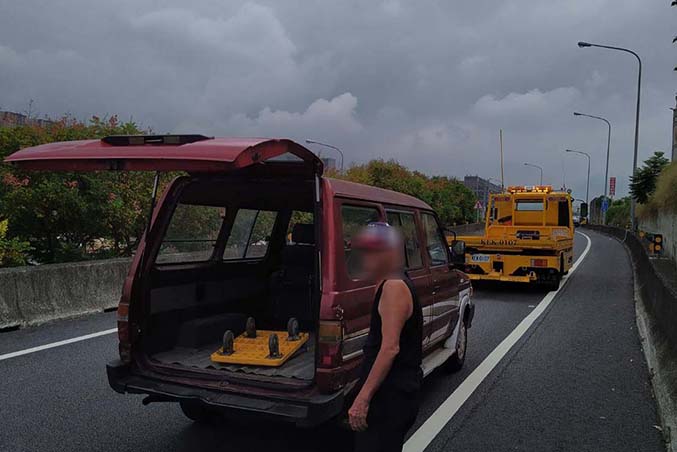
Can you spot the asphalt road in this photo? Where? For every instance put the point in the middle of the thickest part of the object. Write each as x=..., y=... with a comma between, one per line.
x=576, y=380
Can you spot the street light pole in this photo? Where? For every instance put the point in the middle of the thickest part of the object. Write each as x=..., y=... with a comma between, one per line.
x=608, y=147
x=639, y=89
x=536, y=166
x=330, y=147
x=587, y=190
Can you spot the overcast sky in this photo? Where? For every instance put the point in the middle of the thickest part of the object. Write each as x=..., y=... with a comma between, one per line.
x=428, y=83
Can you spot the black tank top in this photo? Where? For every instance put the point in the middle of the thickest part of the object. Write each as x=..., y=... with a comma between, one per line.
x=406, y=373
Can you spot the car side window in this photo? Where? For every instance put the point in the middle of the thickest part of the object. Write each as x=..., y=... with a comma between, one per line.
x=191, y=234
x=250, y=234
x=435, y=245
x=407, y=225
x=354, y=218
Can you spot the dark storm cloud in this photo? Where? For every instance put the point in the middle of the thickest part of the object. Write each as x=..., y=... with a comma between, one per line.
x=428, y=82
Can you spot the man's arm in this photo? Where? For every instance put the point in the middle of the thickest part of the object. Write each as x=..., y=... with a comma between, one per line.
x=395, y=307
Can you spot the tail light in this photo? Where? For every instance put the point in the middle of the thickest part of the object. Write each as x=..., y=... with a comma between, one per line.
x=539, y=262
x=125, y=345
x=329, y=342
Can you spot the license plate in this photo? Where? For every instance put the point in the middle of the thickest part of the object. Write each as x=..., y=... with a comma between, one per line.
x=480, y=258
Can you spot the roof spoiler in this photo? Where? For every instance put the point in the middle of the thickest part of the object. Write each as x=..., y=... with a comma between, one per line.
x=140, y=140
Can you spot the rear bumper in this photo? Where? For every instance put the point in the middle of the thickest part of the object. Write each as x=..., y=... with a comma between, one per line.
x=500, y=277
x=520, y=268
x=306, y=413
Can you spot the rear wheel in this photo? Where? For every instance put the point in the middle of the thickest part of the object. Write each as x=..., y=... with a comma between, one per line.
x=198, y=412
x=455, y=362
x=553, y=285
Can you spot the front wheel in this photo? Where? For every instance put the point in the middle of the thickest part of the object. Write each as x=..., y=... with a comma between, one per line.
x=455, y=362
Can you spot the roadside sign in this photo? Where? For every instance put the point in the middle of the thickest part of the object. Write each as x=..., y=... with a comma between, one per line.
x=612, y=186
x=605, y=205
x=478, y=205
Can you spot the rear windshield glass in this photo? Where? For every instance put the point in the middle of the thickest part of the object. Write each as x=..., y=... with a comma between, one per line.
x=191, y=234
x=529, y=205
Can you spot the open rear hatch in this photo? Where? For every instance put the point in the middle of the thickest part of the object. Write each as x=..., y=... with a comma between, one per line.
x=183, y=305
x=190, y=153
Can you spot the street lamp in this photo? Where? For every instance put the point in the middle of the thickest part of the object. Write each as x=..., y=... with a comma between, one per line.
x=536, y=166
x=639, y=89
x=608, y=147
x=330, y=147
x=587, y=190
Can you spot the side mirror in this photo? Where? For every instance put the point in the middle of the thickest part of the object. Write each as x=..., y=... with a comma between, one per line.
x=457, y=252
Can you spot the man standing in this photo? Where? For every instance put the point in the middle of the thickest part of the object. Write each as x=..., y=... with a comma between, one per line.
x=387, y=404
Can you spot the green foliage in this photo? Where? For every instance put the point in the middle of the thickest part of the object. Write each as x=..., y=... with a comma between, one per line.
x=13, y=252
x=619, y=213
x=72, y=216
x=643, y=184
x=58, y=217
x=664, y=198
x=452, y=201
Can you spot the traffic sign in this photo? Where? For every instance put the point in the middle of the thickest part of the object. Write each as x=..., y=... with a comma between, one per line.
x=612, y=186
x=605, y=205
x=478, y=205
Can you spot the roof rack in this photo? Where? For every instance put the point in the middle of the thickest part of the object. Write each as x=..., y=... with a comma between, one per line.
x=140, y=140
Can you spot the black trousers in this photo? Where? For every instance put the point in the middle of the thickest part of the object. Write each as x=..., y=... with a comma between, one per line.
x=391, y=414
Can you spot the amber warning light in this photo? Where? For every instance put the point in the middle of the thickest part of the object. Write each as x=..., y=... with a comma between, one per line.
x=530, y=189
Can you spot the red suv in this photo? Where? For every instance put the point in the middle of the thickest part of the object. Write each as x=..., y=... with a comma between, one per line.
x=253, y=230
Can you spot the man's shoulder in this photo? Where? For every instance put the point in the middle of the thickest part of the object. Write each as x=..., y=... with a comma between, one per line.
x=397, y=285
x=397, y=289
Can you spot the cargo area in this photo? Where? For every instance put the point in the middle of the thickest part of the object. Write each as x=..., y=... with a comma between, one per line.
x=232, y=250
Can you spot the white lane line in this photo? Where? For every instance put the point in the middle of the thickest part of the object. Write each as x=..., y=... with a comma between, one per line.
x=57, y=344
x=436, y=422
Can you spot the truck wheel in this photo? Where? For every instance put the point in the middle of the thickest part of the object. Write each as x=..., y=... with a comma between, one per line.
x=455, y=362
x=553, y=285
x=198, y=412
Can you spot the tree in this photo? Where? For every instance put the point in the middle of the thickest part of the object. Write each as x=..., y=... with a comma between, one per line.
x=13, y=252
x=452, y=201
x=643, y=183
x=71, y=216
x=619, y=213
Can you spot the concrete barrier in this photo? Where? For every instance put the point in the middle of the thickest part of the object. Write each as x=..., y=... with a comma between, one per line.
x=468, y=229
x=30, y=295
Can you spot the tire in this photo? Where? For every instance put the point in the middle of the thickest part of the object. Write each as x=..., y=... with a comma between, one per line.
x=553, y=285
x=198, y=412
x=455, y=362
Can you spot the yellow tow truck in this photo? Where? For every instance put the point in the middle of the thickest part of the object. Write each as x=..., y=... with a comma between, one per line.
x=528, y=237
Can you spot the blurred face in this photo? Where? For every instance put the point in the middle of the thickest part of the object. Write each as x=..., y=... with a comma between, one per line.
x=382, y=254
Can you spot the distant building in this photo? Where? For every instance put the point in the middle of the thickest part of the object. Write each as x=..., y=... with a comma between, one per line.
x=329, y=163
x=12, y=119
x=481, y=187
